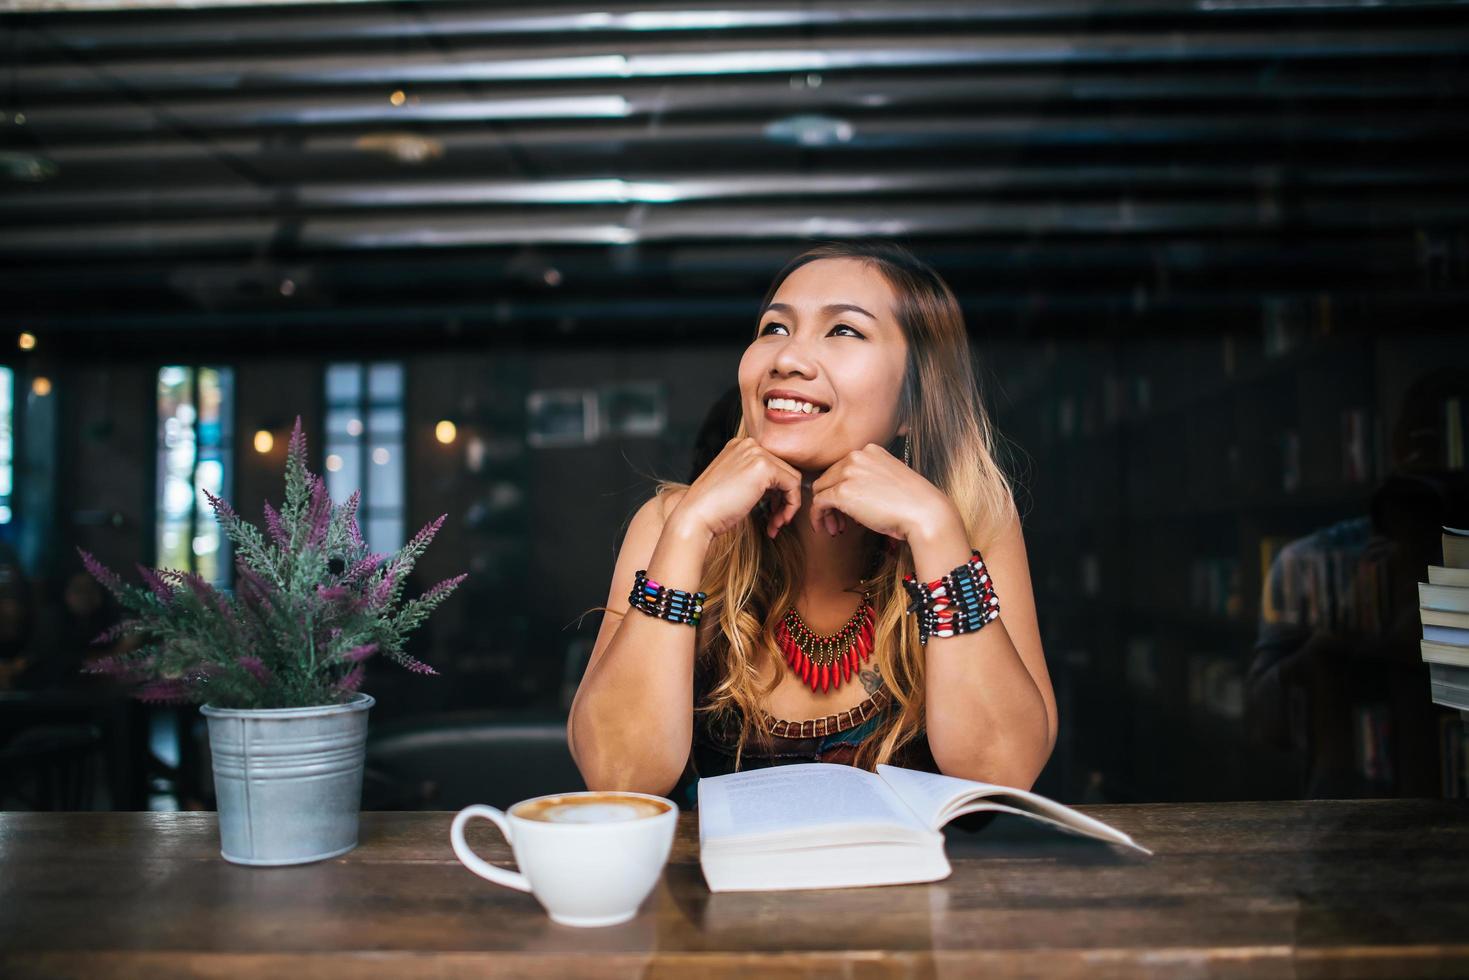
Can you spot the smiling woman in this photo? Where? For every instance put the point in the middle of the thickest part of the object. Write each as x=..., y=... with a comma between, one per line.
x=863, y=457
x=805, y=360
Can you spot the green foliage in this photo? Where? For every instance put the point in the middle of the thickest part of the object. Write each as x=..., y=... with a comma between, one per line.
x=310, y=605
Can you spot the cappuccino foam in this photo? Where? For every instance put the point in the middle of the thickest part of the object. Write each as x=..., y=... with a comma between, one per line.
x=591, y=808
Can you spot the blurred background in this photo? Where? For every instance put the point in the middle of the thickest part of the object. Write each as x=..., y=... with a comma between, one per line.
x=502, y=261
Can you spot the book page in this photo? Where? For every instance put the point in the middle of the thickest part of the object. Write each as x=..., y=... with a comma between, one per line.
x=783, y=799
x=928, y=793
x=937, y=799
x=1100, y=831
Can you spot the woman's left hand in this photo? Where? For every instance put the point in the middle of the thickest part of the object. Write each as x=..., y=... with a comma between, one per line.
x=875, y=489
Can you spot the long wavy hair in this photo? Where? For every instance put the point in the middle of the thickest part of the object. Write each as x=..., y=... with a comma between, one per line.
x=752, y=580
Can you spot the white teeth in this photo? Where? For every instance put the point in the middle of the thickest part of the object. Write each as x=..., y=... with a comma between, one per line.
x=791, y=405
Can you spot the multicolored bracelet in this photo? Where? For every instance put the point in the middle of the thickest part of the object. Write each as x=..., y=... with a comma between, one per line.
x=661, y=602
x=963, y=601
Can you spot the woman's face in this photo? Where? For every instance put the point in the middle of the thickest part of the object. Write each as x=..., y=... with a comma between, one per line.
x=848, y=363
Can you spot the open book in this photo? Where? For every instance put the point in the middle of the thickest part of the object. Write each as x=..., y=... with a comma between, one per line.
x=821, y=825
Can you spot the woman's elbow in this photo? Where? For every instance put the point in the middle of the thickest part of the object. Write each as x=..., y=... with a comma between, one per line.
x=626, y=779
x=619, y=774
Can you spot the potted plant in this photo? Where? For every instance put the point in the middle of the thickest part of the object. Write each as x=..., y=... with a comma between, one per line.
x=276, y=663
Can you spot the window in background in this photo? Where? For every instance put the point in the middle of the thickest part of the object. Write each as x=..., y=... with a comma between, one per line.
x=364, y=445
x=195, y=439
x=7, y=441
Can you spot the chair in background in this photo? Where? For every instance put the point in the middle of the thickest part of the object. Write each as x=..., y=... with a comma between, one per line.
x=449, y=760
x=51, y=767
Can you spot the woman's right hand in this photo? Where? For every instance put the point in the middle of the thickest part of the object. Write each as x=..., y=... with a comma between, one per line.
x=735, y=482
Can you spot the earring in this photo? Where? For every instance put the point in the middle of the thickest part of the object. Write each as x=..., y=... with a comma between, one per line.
x=907, y=445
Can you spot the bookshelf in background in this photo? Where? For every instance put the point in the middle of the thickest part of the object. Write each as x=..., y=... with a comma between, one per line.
x=1177, y=471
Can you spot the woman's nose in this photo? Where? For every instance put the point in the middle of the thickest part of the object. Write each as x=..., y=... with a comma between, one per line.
x=793, y=357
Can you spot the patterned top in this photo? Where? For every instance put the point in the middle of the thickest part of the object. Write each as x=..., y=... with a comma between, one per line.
x=835, y=738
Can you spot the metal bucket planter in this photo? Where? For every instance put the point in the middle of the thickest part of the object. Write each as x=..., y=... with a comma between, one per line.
x=288, y=781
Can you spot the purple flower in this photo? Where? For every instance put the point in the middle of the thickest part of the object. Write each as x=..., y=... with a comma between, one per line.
x=352, y=680
x=320, y=513
x=157, y=583
x=222, y=509
x=349, y=509
x=444, y=588
x=115, y=666
x=256, y=667
x=332, y=593
x=273, y=524
x=360, y=653
x=102, y=573
x=426, y=534
x=252, y=582
x=202, y=589
x=113, y=632
x=417, y=666
x=227, y=611
x=364, y=567
x=383, y=590
x=296, y=448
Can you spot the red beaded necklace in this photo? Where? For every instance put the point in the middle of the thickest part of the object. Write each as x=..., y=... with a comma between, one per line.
x=827, y=661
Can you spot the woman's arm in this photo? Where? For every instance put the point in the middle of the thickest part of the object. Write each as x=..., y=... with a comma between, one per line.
x=631, y=722
x=991, y=712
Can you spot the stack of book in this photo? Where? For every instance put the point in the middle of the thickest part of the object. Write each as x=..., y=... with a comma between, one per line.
x=1443, y=606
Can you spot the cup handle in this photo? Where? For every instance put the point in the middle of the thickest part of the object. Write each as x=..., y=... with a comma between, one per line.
x=472, y=861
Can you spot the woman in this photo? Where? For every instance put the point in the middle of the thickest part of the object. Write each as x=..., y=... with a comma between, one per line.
x=873, y=462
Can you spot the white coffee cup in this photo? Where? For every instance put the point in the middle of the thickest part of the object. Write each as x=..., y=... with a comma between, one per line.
x=589, y=858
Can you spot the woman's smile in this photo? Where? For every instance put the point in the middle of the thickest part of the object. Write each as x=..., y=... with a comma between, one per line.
x=786, y=407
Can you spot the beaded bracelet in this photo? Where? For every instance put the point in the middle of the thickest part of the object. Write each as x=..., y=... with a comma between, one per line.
x=662, y=602
x=972, y=603
x=963, y=601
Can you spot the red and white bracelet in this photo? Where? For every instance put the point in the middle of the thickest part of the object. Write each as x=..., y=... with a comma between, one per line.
x=963, y=601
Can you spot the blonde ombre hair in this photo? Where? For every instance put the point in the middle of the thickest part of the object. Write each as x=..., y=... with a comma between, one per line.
x=752, y=580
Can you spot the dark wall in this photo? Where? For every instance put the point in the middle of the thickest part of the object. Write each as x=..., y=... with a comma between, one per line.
x=108, y=439
x=269, y=394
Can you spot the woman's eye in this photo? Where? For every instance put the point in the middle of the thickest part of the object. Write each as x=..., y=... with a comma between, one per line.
x=840, y=326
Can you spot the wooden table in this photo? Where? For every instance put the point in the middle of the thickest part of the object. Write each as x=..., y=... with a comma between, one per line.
x=1315, y=888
